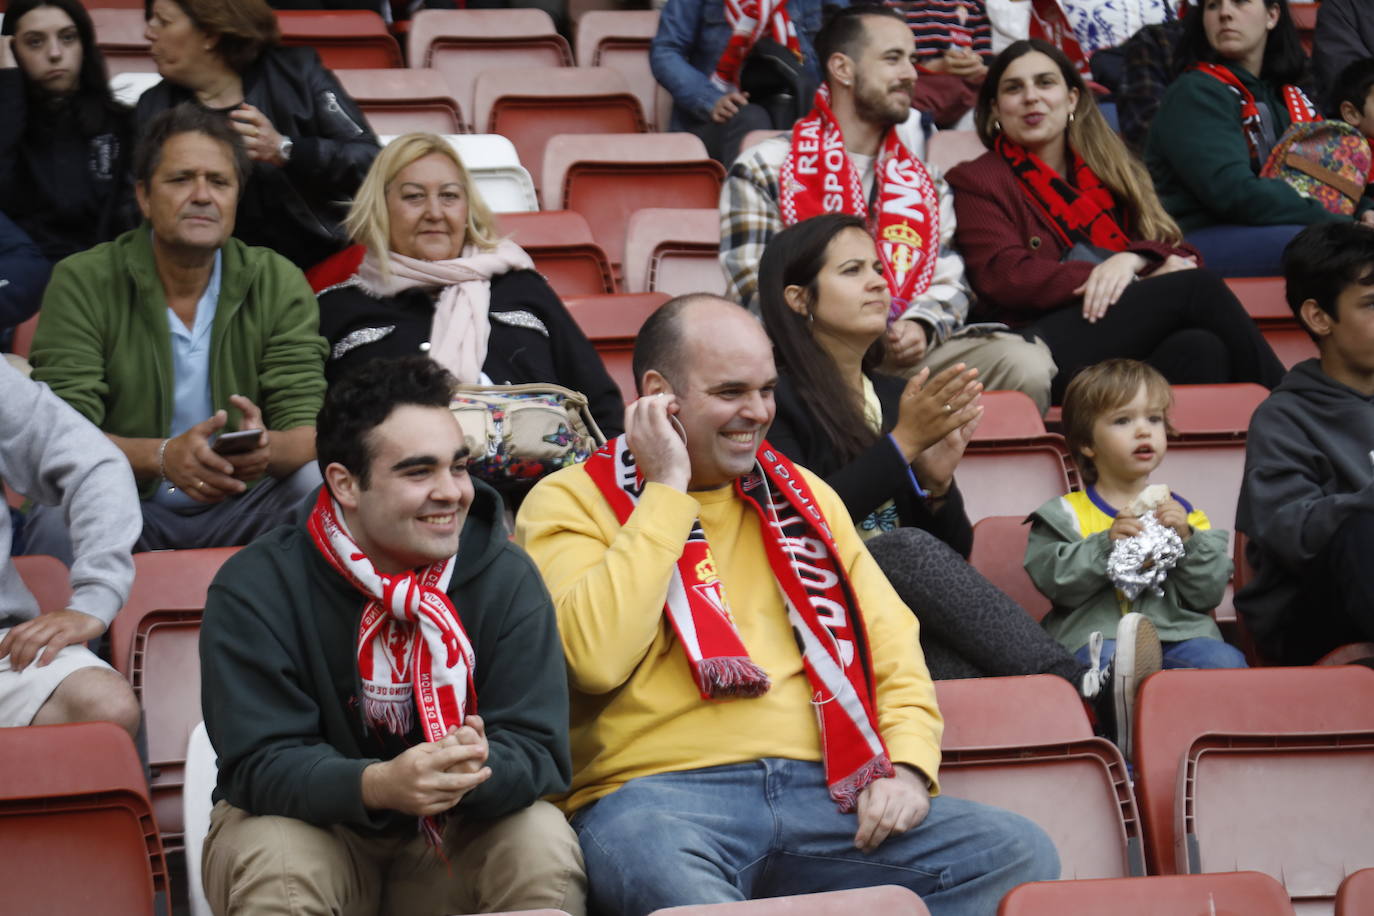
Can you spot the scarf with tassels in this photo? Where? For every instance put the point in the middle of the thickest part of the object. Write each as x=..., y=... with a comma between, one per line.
x=821, y=608
x=1300, y=107
x=413, y=653
x=461, y=329
x=819, y=177
x=1081, y=209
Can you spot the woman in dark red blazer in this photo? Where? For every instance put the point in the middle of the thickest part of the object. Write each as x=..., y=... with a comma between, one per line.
x=1057, y=222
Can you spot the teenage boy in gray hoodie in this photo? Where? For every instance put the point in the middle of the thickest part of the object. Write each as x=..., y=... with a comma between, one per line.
x=1307, y=501
x=56, y=457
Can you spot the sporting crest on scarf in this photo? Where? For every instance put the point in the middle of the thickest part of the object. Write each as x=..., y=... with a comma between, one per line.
x=821, y=608
x=819, y=177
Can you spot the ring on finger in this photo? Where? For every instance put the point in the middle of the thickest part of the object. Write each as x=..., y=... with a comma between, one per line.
x=948, y=409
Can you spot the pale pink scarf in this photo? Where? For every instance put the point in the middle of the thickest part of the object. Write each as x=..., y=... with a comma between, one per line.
x=458, y=338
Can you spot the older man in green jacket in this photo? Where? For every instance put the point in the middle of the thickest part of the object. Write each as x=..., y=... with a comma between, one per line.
x=173, y=336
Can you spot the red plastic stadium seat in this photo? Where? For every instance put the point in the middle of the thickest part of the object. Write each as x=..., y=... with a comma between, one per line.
x=1291, y=345
x=530, y=105
x=607, y=177
x=561, y=246
x=887, y=899
x=1356, y=894
x=401, y=101
x=75, y=825
x=674, y=251
x=1240, y=893
x=1264, y=300
x=1305, y=21
x=1207, y=472
x=1001, y=712
x=619, y=40
x=355, y=39
x=611, y=323
x=163, y=579
x=1176, y=707
x=1215, y=410
x=47, y=579
x=23, y=336
x=460, y=44
x=999, y=553
x=119, y=35
x=949, y=148
x=1348, y=654
x=1014, y=477
x=1008, y=415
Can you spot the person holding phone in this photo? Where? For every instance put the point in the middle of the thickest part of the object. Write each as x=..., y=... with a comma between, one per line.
x=175, y=334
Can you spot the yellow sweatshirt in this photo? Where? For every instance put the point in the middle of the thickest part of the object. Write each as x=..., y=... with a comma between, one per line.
x=635, y=708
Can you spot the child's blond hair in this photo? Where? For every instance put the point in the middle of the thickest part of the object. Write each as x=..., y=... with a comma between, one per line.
x=1104, y=387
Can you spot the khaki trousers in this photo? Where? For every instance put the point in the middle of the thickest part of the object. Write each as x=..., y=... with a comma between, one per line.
x=1005, y=362
x=268, y=865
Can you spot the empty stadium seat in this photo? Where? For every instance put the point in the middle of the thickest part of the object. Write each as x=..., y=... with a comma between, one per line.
x=887, y=899
x=531, y=104
x=47, y=579
x=119, y=35
x=355, y=39
x=1309, y=834
x=999, y=553
x=462, y=43
x=561, y=246
x=1264, y=300
x=1305, y=21
x=1241, y=893
x=495, y=169
x=403, y=100
x=674, y=251
x=1356, y=894
x=611, y=323
x=948, y=148
x=607, y=177
x=1001, y=712
x=1014, y=477
x=128, y=87
x=1176, y=707
x=1206, y=471
x=1215, y=410
x=76, y=827
x=162, y=579
x=1008, y=415
x=619, y=40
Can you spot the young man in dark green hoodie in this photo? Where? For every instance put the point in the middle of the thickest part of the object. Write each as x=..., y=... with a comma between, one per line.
x=1307, y=500
x=343, y=661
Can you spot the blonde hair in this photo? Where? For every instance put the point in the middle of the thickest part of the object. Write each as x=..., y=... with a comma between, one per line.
x=1100, y=389
x=369, y=221
x=1091, y=137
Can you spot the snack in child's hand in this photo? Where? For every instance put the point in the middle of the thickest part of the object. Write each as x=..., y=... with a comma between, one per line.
x=1149, y=499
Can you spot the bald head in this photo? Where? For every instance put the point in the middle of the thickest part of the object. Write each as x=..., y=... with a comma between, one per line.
x=669, y=342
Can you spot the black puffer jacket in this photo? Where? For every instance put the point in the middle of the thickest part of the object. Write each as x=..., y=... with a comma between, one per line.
x=297, y=209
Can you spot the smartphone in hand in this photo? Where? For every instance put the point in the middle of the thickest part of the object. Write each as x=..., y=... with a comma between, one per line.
x=245, y=440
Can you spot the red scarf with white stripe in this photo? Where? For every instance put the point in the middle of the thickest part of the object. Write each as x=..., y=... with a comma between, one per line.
x=748, y=21
x=821, y=607
x=819, y=177
x=413, y=653
x=1300, y=107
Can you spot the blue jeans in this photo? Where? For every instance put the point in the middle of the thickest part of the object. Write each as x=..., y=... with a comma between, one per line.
x=1243, y=251
x=1202, y=652
x=769, y=828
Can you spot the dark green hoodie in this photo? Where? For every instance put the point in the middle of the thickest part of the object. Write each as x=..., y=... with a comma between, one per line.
x=280, y=687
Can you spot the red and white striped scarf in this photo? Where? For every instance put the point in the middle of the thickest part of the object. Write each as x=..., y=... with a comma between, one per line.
x=1300, y=107
x=819, y=177
x=821, y=607
x=413, y=653
x=748, y=20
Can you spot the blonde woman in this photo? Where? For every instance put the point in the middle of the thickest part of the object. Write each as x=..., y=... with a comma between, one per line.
x=1057, y=221
x=437, y=279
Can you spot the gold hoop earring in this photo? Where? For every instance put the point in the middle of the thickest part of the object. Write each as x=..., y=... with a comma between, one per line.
x=996, y=126
x=1071, y=117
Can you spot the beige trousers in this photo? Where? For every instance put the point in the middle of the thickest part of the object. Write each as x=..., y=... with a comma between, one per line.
x=268, y=865
x=1005, y=362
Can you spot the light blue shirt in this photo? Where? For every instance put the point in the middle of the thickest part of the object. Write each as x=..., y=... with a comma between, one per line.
x=191, y=402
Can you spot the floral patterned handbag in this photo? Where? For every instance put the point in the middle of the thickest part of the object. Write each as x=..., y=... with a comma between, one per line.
x=519, y=433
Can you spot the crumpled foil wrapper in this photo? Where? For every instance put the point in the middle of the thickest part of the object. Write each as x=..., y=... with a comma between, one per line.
x=1143, y=561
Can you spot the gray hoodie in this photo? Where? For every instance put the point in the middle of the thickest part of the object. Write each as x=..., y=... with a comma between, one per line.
x=1308, y=467
x=53, y=455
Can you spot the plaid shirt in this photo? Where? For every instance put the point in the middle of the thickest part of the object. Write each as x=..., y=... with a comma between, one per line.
x=1151, y=56
x=749, y=217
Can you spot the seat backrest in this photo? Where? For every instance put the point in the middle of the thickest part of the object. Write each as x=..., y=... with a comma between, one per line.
x=75, y=822
x=1013, y=478
x=343, y=38
x=1237, y=893
x=999, y=553
x=561, y=246
x=1218, y=410
x=403, y=100
x=47, y=579
x=619, y=40
x=162, y=579
x=119, y=35
x=165, y=674
x=1005, y=712
x=1263, y=298
x=1207, y=472
x=1291, y=345
x=1008, y=415
x=128, y=87
x=1356, y=894
x=1175, y=707
x=654, y=232
x=887, y=899
x=611, y=323
x=1308, y=836
x=948, y=148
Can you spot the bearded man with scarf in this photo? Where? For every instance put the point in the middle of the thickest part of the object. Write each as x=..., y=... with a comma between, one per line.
x=751, y=713
x=383, y=685
x=860, y=151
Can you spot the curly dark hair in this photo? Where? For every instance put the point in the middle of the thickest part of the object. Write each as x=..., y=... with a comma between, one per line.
x=361, y=401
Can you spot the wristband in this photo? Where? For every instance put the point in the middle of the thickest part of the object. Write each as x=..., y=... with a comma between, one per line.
x=161, y=460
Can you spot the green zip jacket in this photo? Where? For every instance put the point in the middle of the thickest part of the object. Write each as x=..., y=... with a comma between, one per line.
x=104, y=346
x=1200, y=163
x=1071, y=570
